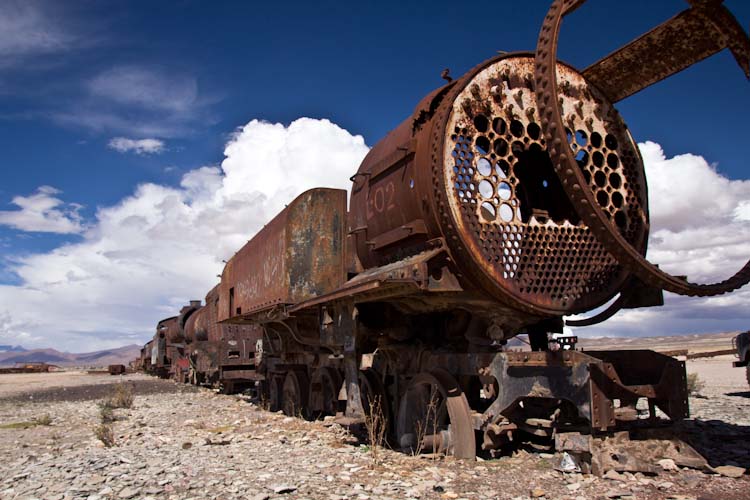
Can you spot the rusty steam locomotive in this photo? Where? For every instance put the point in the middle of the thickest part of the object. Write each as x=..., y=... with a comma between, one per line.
x=511, y=197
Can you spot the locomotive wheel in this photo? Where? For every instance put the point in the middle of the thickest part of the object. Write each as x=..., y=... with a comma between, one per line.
x=324, y=391
x=274, y=393
x=294, y=393
x=373, y=396
x=434, y=415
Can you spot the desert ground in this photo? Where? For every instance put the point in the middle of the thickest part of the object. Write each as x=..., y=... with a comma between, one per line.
x=179, y=442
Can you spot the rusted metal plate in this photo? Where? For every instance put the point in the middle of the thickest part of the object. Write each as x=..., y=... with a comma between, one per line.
x=171, y=330
x=687, y=38
x=592, y=381
x=470, y=167
x=298, y=255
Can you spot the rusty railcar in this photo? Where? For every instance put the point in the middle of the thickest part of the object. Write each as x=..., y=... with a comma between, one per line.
x=117, y=369
x=203, y=342
x=219, y=355
x=164, y=347
x=238, y=367
x=145, y=358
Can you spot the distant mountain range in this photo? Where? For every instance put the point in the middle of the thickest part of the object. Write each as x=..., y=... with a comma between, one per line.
x=11, y=348
x=122, y=355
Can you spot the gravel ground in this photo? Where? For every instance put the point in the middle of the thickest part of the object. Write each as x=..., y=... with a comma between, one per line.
x=178, y=443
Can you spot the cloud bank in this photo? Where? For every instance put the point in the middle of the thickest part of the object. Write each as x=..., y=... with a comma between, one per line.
x=143, y=258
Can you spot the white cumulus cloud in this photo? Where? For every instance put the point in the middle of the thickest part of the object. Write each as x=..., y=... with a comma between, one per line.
x=699, y=228
x=43, y=212
x=137, y=146
x=142, y=258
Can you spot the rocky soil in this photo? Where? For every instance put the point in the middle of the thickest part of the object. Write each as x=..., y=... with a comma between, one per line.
x=178, y=443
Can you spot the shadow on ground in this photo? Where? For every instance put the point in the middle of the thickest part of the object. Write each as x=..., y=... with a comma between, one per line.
x=98, y=391
x=719, y=442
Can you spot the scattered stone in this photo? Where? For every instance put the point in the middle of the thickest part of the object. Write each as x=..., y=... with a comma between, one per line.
x=729, y=471
x=128, y=492
x=667, y=464
x=320, y=462
x=616, y=494
x=283, y=488
x=573, y=486
x=614, y=475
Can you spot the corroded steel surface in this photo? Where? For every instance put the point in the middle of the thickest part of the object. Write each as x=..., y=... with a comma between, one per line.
x=476, y=160
x=298, y=255
x=689, y=37
x=170, y=328
x=550, y=89
x=507, y=204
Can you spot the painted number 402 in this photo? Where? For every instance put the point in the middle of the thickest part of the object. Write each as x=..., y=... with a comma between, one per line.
x=381, y=199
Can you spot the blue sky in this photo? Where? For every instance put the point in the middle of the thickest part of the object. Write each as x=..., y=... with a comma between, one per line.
x=76, y=76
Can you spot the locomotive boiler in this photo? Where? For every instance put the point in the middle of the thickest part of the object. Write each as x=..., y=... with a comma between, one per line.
x=511, y=197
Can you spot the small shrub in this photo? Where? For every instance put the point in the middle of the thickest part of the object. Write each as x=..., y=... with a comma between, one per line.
x=428, y=425
x=123, y=396
x=694, y=384
x=43, y=420
x=106, y=434
x=17, y=425
x=106, y=413
x=376, y=427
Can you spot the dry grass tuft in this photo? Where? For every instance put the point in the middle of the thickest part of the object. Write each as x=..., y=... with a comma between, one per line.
x=122, y=398
x=376, y=426
x=694, y=384
x=106, y=434
x=106, y=413
x=44, y=420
